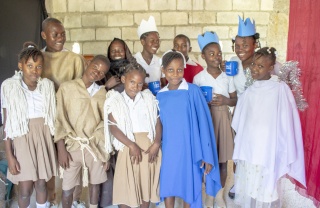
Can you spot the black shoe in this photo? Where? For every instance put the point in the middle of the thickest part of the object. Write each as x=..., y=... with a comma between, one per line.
x=231, y=194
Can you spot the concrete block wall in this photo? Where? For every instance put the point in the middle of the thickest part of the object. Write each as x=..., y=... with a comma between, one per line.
x=94, y=23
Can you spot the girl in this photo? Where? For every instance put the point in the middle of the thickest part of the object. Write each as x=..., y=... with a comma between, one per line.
x=150, y=40
x=136, y=132
x=245, y=43
x=224, y=95
x=182, y=44
x=119, y=55
x=28, y=107
x=271, y=149
x=188, y=142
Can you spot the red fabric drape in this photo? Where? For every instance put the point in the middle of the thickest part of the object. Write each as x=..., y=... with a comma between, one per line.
x=304, y=46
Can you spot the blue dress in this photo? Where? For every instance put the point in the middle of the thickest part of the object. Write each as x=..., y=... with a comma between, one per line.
x=187, y=140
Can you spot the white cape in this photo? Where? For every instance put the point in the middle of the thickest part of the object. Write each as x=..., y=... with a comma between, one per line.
x=268, y=130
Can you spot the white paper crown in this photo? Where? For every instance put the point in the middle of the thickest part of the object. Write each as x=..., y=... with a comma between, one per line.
x=246, y=28
x=147, y=26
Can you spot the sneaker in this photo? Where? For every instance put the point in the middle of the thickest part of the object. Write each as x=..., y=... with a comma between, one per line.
x=78, y=204
x=51, y=205
x=231, y=193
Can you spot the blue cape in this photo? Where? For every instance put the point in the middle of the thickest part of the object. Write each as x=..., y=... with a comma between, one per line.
x=187, y=140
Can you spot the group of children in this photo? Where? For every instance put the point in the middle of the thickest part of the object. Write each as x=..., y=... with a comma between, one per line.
x=133, y=148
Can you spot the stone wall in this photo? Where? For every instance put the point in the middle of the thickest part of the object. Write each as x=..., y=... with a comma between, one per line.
x=94, y=23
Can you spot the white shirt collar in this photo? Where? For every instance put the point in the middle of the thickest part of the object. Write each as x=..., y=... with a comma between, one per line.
x=128, y=99
x=153, y=60
x=191, y=62
x=182, y=86
x=93, y=89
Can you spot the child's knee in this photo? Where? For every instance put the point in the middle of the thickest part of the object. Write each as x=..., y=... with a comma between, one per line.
x=41, y=186
x=25, y=194
x=67, y=193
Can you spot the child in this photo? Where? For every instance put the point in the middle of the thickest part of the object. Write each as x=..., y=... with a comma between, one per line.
x=119, y=55
x=149, y=38
x=245, y=43
x=79, y=131
x=29, y=107
x=136, y=134
x=182, y=44
x=273, y=147
x=60, y=66
x=224, y=95
x=188, y=142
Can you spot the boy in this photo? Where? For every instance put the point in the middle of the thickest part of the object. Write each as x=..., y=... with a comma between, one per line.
x=80, y=133
x=60, y=65
x=149, y=38
x=182, y=44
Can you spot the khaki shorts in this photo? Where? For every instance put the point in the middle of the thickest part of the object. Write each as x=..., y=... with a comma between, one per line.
x=72, y=176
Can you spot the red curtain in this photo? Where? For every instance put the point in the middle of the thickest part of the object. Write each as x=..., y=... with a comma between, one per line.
x=304, y=46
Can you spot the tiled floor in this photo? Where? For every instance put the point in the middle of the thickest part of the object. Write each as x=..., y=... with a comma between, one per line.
x=291, y=199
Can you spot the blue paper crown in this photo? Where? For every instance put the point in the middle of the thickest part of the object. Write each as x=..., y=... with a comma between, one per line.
x=206, y=38
x=246, y=28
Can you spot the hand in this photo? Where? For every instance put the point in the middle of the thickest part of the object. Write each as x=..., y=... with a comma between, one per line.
x=135, y=153
x=223, y=65
x=63, y=158
x=145, y=86
x=14, y=166
x=106, y=166
x=218, y=100
x=208, y=167
x=112, y=81
x=153, y=152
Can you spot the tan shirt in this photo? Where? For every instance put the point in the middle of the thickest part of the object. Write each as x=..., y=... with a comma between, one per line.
x=62, y=66
x=80, y=115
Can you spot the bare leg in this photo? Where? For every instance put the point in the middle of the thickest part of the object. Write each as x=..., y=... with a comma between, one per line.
x=123, y=206
x=25, y=191
x=51, y=185
x=41, y=191
x=77, y=193
x=186, y=205
x=145, y=204
x=67, y=196
x=94, y=190
x=169, y=202
x=223, y=173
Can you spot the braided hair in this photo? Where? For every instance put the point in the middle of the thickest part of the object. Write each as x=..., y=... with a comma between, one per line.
x=170, y=56
x=269, y=52
x=132, y=66
x=30, y=49
x=255, y=38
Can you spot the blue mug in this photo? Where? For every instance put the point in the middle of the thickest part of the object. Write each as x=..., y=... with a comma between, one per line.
x=207, y=92
x=154, y=87
x=231, y=68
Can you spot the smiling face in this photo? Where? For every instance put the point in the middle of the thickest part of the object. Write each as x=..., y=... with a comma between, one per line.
x=182, y=45
x=151, y=43
x=133, y=82
x=95, y=71
x=117, y=50
x=261, y=68
x=31, y=70
x=174, y=73
x=55, y=37
x=212, y=55
x=244, y=48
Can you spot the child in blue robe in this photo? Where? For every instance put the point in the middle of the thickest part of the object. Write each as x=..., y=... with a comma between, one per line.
x=188, y=141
